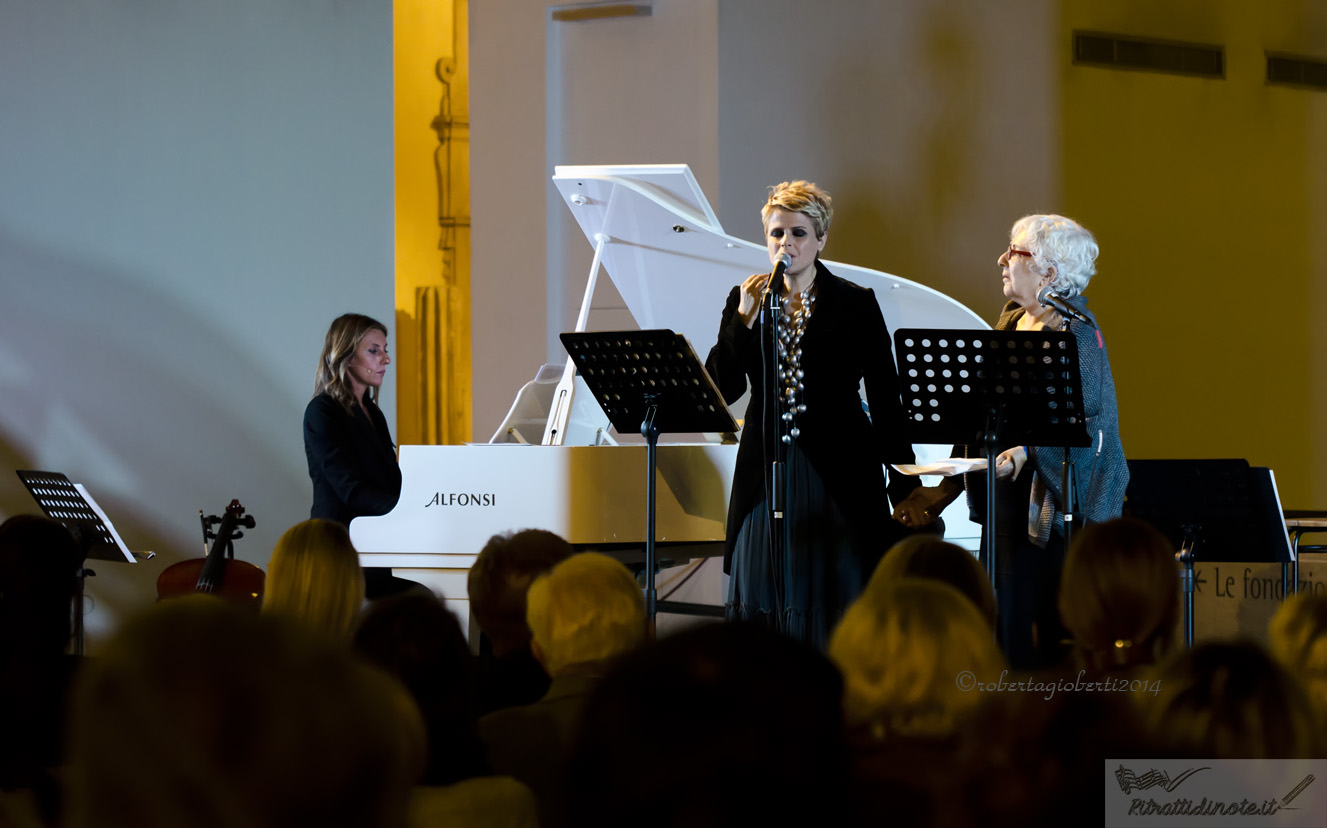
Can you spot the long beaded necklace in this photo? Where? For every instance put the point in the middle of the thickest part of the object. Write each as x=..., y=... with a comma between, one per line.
x=792, y=325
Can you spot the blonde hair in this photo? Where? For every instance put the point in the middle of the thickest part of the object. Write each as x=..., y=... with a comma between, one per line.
x=903, y=651
x=1298, y=639
x=339, y=346
x=588, y=608
x=929, y=557
x=801, y=197
x=314, y=577
x=1119, y=593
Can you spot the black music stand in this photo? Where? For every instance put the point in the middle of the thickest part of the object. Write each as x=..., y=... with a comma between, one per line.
x=992, y=388
x=61, y=500
x=1222, y=511
x=652, y=381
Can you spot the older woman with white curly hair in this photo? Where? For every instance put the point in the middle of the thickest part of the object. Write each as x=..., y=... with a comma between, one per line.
x=1045, y=251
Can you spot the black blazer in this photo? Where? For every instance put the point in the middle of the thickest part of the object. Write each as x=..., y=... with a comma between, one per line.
x=846, y=341
x=352, y=461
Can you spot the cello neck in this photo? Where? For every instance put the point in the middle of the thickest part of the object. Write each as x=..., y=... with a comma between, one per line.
x=214, y=568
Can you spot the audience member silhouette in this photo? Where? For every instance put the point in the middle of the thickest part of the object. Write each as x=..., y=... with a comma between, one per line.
x=717, y=726
x=929, y=556
x=1298, y=639
x=1119, y=596
x=509, y=674
x=415, y=638
x=199, y=713
x=583, y=613
x=39, y=562
x=1231, y=700
x=911, y=654
x=1035, y=759
x=314, y=578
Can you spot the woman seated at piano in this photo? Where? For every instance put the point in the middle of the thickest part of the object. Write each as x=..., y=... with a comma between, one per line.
x=832, y=336
x=1047, y=253
x=352, y=461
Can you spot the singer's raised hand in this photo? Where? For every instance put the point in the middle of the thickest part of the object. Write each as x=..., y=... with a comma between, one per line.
x=748, y=306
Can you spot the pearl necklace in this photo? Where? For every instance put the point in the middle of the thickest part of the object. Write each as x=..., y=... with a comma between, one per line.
x=791, y=328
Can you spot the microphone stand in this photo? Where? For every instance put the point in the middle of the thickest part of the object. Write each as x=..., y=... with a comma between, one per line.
x=780, y=542
x=1069, y=494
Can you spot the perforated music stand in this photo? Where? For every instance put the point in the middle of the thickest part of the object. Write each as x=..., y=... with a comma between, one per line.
x=1219, y=511
x=62, y=500
x=651, y=381
x=993, y=388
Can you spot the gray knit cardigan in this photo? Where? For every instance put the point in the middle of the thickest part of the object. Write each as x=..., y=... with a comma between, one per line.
x=1100, y=471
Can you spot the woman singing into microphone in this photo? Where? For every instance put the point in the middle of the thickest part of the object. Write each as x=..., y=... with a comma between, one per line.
x=834, y=337
x=352, y=461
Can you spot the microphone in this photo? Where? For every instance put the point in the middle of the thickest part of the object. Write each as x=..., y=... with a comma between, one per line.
x=776, y=275
x=1048, y=299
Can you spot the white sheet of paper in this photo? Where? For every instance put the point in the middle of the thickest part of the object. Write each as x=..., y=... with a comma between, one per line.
x=124, y=550
x=945, y=468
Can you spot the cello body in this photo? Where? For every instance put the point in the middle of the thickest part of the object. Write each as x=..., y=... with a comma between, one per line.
x=238, y=581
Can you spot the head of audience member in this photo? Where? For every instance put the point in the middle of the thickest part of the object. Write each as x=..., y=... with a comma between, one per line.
x=354, y=343
x=39, y=563
x=314, y=577
x=1034, y=759
x=715, y=726
x=904, y=650
x=931, y=558
x=1119, y=594
x=584, y=612
x=415, y=638
x=501, y=577
x=200, y=713
x=1298, y=639
x=1231, y=700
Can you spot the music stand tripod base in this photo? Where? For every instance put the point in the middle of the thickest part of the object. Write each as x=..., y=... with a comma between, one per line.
x=654, y=382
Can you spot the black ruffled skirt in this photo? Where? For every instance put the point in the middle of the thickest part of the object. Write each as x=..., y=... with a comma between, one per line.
x=805, y=591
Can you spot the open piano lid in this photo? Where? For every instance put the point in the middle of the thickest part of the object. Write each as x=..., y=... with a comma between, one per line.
x=674, y=265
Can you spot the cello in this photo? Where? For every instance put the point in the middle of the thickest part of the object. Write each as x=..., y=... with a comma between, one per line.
x=217, y=574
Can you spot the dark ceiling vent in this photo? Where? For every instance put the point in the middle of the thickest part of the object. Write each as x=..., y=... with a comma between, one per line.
x=1286, y=70
x=1122, y=52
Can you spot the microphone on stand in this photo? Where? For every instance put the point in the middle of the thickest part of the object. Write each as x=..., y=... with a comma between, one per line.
x=776, y=275
x=769, y=303
x=1049, y=299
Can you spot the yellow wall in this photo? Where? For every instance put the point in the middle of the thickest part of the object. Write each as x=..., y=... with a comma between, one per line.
x=1201, y=194
x=431, y=69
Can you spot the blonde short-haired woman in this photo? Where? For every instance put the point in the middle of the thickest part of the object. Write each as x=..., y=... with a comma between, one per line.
x=832, y=339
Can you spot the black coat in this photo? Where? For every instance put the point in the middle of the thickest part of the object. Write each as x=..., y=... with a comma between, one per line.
x=846, y=341
x=352, y=461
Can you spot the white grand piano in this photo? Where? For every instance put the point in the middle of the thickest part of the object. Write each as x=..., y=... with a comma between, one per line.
x=554, y=463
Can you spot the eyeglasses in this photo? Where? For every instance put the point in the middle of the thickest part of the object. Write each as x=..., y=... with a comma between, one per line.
x=1014, y=251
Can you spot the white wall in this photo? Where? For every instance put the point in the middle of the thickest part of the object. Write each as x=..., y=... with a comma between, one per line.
x=612, y=101
x=933, y=125
x=189, y=193
x=543, y=93
x=932, y=134
x=508, y=194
